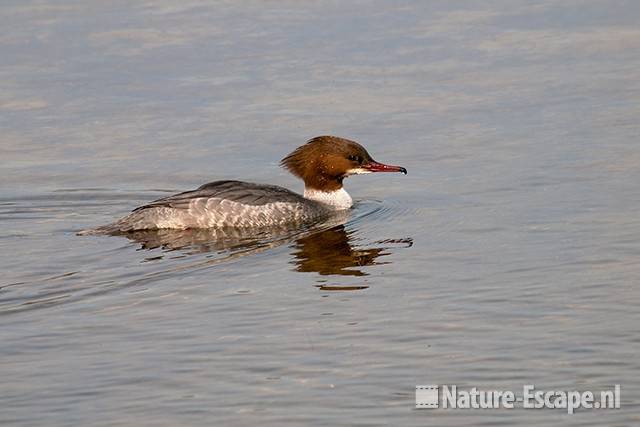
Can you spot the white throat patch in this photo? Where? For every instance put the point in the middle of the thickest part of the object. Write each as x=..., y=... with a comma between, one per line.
x=338, y=199
x=358, y=171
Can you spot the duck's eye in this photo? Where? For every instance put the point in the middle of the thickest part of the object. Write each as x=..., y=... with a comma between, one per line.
x=355, y=158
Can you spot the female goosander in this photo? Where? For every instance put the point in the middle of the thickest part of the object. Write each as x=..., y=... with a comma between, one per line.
x=322, y=163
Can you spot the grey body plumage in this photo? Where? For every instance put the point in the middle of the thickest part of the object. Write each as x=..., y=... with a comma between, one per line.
x=221, y=204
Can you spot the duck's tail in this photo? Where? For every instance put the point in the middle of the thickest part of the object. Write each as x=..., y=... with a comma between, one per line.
x=113, y=228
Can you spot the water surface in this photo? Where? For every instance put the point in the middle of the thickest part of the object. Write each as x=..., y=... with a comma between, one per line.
x=509, y=255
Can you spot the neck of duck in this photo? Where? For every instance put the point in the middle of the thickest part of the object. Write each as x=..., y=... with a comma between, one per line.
x=323, y=184
x=336, y=199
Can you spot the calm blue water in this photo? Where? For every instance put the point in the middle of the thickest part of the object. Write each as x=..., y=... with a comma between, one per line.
x=508, y=255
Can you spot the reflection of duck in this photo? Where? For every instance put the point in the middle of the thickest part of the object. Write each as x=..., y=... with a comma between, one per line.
x=325, y=249
x=200, y=240
x=330, y=252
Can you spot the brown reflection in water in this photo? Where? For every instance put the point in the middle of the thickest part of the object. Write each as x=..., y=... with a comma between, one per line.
x=330, y=252
x=326, y=252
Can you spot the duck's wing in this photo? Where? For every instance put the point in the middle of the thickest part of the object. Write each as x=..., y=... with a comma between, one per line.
x=246, y=193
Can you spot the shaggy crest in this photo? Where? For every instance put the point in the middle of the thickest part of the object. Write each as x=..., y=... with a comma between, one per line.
x=324, y=161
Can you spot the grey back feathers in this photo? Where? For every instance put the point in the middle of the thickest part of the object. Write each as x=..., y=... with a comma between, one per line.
x=220, y=204
x=247, y=193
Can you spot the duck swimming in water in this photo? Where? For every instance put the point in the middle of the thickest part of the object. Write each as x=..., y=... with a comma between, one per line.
x=322, y=163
